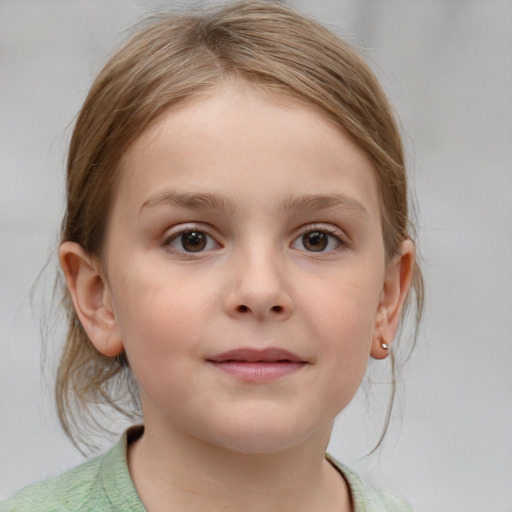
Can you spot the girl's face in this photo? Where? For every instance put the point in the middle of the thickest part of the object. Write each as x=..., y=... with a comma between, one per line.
x=245, y=271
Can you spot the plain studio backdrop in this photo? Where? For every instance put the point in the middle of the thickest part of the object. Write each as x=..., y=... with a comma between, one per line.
x=447, y=67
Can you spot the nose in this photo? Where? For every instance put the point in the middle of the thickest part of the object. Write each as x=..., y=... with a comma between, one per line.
x=259, y=290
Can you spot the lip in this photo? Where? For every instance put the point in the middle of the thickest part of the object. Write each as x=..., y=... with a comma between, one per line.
x=251, y=365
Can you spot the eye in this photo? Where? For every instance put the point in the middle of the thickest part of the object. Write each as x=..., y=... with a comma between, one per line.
x=318, y=240
x=191, y=240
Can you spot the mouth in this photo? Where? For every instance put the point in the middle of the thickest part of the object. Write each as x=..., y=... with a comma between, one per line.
x=252, y=365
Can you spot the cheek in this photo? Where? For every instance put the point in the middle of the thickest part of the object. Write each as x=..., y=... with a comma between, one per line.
x=344, y=307
x=161, y=340
x=154, y=310
x=342, y=318
x=346, y=343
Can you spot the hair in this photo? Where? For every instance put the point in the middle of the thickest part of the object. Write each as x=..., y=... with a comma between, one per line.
x=177, y=56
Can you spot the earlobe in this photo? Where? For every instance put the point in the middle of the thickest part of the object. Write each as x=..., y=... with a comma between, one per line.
x=90, y=293
x=397, y=282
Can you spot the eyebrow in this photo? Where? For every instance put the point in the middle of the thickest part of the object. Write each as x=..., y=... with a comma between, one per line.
x=324, y=202
x=304, y=202
x=190, y=201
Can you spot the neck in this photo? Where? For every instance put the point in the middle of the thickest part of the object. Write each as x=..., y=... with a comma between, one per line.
x=182, y=472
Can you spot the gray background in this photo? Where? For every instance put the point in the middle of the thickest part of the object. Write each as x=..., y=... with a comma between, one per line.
x=447, y=66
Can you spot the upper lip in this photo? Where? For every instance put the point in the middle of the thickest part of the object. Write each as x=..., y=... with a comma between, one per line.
x=250, y=355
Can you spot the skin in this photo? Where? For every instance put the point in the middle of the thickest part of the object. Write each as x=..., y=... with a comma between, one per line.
x=213, y=441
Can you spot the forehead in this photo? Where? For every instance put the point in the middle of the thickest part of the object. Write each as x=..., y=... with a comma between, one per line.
x=239, y=140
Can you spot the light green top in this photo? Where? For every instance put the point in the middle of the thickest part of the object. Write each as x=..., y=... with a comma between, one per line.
x=103, y=484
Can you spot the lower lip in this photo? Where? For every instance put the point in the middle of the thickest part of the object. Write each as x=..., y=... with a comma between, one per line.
x=259, y=372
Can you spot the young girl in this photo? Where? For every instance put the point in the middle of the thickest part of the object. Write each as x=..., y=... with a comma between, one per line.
x=236, y=246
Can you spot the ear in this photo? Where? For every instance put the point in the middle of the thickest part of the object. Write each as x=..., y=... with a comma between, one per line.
x=397, y=282
x=91, y=297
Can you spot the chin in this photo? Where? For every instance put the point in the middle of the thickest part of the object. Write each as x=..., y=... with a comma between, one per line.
x=258, y=444
x=253, y=438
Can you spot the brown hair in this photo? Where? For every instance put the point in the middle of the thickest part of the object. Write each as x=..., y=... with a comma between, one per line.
x=176, y=56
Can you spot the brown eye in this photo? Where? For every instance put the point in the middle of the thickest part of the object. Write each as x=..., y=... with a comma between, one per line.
x=315, y=241
x=193, y=241
x=319, y=240
x=190, y=241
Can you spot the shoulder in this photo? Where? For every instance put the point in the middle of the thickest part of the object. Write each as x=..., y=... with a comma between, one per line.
x=70, y=491
x=102, y=484
x=368, y=497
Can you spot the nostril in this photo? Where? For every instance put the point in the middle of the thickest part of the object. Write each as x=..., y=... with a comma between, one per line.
x=242, y=308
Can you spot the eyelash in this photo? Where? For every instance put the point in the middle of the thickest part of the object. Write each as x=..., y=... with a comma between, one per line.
x=168, y=240
x=331, y=232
